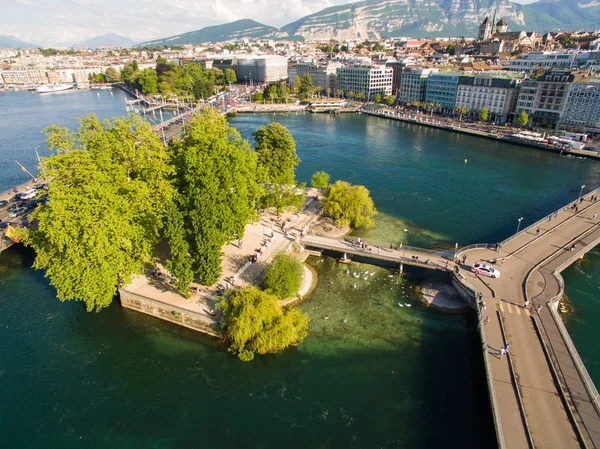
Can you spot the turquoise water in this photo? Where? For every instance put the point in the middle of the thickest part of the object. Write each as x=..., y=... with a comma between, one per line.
x=371, y=374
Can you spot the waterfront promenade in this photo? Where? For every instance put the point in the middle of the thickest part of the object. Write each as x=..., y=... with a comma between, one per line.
x=541, y=394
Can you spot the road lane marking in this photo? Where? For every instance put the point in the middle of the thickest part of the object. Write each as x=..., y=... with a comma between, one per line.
x=518, y=310
x=527, y=312
x=509, y=308
x=501, y=307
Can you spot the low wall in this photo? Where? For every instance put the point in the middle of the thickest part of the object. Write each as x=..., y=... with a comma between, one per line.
x=167, y=312
x=466, y=293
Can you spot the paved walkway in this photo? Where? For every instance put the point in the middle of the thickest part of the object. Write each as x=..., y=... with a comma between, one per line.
x=529, y=399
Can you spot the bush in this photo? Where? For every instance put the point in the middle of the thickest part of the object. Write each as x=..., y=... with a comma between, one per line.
x=283, y=276
x=255, y=322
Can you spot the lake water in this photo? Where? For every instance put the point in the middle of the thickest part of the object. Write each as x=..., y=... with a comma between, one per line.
x=371, y=375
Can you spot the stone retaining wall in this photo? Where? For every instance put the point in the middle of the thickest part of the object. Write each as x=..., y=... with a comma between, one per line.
x=167, y=312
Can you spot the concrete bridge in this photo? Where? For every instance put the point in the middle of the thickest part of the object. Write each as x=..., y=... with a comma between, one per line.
x=540, y=392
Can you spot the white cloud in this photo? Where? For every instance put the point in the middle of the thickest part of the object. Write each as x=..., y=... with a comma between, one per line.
x=54, y=22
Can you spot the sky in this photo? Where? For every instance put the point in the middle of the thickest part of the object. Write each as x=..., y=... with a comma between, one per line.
x=65, y=22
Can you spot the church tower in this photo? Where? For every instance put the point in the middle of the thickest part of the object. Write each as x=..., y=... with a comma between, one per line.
x=501, y=26
x=485, y=29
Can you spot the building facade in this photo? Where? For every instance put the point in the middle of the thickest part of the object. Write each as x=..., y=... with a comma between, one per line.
x=323, y=75
x=544, y=98
x=370, y=80
x=413, y=85
x=441, y=89
x=545, y=60
x=582, y=109
x=496, y=92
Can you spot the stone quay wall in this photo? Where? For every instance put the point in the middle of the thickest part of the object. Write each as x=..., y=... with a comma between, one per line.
x=167, y=312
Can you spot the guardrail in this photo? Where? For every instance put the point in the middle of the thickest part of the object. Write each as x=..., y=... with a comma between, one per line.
x=583, y=372
x=542, y=220
x=476, y=246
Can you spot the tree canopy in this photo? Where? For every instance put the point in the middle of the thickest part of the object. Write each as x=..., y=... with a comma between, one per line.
x=349, y=205
x=255, y=323
x=283, y=276
x=108, y=195
x=216, y=181
x=276, y=151
x=484, y=114
x=320, y=180
x=523, y=118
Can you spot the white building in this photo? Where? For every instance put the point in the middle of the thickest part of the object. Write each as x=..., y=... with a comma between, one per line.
x=413, y=85
x=323, y=75
x=582, y=110
x=370, y=80
x=544, y=59
x=497, y=92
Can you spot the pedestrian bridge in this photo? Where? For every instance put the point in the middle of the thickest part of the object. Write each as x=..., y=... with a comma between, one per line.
x=541, y=393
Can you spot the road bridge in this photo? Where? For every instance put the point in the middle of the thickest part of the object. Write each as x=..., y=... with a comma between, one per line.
x=540, y=392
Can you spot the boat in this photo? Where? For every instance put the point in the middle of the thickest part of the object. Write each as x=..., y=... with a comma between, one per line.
x=50, y=88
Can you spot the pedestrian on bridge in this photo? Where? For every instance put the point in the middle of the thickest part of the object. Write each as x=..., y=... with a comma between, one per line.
x=502, y=352
x=594, y=216
x=526, y=303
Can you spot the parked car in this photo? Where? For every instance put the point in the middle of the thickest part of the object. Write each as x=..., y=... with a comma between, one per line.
x=28, y=194
x=17, y=212
x=485, y=270
x=15, y=206
x=4, y=224
x=3, y=203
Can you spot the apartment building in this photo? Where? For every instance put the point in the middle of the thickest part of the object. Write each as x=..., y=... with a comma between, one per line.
x=441, y=89
x=370, y=80
x=322, y=74
x=413, y=85
x=544, y=98
x=497, y=92
x=546, y=60
x=582, y=109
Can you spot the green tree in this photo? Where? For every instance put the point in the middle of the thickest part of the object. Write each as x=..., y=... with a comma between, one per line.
x=339, y=93
x=230, y=77
x=328, y=91
x=484, y=114
x=276, y=151
x=461, y=110
x=390, y=100
x=283, y=276
x=272, y=92
x=179, y=262
x=216, y=181
x=451, y=49
x=360, y=96
x=349, y=205
x=134, y=66
x=377, y=98
x=255, y=323
x=127, y=74
x=320, y=180
x=111, y=75
x=257, y=97
x=107, y=203
x=305, y=87
x=522, y=118
x=148, y=81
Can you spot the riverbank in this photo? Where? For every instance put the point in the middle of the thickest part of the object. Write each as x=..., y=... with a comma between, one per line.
x=462, y=128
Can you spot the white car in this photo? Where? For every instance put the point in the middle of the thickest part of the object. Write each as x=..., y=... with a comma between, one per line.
x=28, y=194
x=485, y=270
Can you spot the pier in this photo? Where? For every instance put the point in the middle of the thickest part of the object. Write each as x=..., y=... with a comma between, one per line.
x=540, y=392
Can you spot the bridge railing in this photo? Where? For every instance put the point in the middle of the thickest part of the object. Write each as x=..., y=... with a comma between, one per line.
x=475, y=246
x=543, y=219
x=444, y=253
x=585, y=375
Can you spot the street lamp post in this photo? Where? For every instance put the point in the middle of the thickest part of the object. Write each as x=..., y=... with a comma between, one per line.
x=581, y=191
x=519, y=224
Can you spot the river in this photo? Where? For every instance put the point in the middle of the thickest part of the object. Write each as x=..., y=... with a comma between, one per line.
x=371, y=374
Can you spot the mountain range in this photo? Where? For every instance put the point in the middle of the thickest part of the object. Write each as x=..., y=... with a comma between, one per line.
x=7, y=41
x=111, y=40
x=371, y=19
